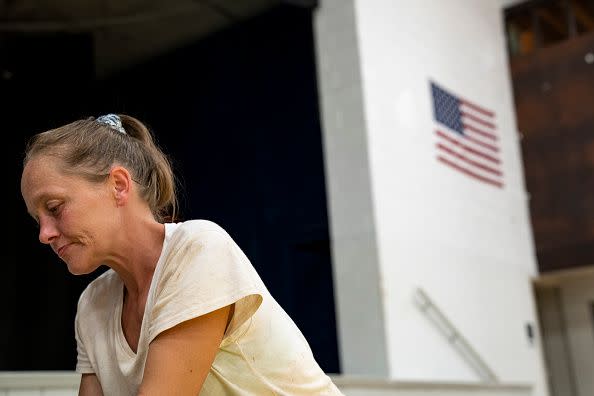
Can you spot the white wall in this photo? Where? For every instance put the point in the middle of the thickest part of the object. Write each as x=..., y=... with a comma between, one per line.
x=468, y=245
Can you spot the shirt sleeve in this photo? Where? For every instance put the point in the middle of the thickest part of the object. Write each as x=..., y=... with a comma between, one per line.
x=204, y=270
x=83, y=364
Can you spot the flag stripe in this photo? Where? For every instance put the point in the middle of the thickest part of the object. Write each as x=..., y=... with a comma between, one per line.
x=482, y=144
x=477, y=119
x=478, y=108
x=467, y=147
x=468, y=160
x=482, y=133
x=469, y=172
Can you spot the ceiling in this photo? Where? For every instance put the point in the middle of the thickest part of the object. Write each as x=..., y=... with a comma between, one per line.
x=128, y=31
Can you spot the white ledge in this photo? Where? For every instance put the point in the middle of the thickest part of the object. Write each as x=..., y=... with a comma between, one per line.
x=38, y=379
x=382, y=383
x=70, y=379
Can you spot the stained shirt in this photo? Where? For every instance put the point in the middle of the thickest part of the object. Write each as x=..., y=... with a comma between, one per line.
x=200, y=270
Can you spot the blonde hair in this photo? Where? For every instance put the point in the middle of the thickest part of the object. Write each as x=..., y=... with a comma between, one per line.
x=90, y=148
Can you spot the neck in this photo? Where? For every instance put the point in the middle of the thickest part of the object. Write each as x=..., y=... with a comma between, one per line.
x=140, y=248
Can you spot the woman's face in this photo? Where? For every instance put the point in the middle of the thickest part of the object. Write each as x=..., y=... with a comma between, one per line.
x=76, y=218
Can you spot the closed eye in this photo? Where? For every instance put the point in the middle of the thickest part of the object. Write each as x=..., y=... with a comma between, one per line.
x=54, y=209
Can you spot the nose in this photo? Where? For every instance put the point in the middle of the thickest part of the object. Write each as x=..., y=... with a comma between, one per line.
x=47, y=231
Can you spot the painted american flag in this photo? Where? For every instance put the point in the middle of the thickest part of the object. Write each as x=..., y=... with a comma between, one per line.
x=466, y=137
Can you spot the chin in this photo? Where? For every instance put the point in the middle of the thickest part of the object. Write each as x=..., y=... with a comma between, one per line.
x=80, y=268
x=79, y=271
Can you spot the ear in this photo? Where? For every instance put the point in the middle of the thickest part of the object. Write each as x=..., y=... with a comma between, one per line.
x=121, y=184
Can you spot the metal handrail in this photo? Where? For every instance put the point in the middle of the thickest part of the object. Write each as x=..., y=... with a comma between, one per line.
x=470, y=355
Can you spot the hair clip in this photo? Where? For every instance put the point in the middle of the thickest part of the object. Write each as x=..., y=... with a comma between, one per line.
x=113, y=121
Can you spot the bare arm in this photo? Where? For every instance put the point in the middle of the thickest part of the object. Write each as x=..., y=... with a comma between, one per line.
x=179, y=358
x=89, y=386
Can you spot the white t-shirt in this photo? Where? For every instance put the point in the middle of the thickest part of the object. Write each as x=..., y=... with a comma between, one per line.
x=200, y=270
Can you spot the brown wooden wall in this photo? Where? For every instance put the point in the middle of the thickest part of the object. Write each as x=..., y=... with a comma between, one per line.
x=554, y=96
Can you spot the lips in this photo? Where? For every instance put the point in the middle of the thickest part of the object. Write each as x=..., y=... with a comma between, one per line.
x=61, y=249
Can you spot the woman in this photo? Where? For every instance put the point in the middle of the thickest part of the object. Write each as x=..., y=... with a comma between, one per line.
x=181, y=311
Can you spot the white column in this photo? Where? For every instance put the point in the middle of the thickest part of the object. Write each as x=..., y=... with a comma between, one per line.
x=357, y=279
x=402, y=221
